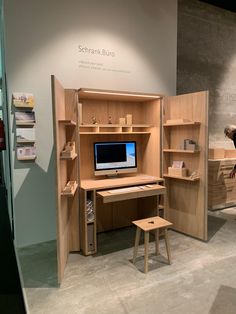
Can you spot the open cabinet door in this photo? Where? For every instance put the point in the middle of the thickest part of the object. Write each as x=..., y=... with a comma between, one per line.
x=185, y=117
x=65, y=116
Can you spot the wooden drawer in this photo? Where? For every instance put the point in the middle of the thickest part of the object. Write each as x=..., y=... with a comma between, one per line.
x=143, y=191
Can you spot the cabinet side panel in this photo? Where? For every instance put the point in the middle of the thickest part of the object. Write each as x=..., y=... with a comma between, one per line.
x=72, y=134
x=151, y=149
x=83, y=221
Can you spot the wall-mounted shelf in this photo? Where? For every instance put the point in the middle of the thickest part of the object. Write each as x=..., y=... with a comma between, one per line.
x=72, y=193
x=26, y=158
x=181, y=178
x=67, y=122
x=25, y=124
x=193, y=123
x=184, y=151
x=69, y=158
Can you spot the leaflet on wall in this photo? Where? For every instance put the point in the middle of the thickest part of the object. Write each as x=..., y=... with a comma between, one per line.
x=26, y=152
x=25, y=100
x=24, y=117
x=24, y=135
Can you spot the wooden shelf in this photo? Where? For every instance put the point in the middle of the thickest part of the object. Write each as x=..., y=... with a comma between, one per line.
x=193, y=123
x=181, y=178
x=115, y=129
x=97, y=133
x=115, y=125
x=72, y=193
x=69, y=158
x=88, y=93
x=67, y=122
x=184, y=151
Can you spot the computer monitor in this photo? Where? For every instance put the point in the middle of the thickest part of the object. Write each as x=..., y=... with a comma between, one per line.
x=112, y=158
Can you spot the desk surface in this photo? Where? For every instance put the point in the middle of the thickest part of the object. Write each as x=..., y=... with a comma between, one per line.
x=101, y=184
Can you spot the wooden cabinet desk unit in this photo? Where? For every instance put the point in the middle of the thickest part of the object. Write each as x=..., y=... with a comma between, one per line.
x=158, y=126
x=116, y=203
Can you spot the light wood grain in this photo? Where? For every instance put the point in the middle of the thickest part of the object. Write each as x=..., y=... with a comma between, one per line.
x=101, y=184
x=221, y=188
x=145, y=191
x=187, y=202
x=65, y=129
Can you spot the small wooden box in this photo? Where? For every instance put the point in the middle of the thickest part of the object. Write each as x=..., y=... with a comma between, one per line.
x=216, y=153
x=177, y=172
x=230, y=153
x=129, y=119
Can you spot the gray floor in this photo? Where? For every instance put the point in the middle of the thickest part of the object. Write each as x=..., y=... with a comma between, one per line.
x=201, y=279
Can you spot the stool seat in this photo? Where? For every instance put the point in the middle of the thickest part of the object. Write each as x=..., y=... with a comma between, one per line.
x=149, y=224
x=152, y=223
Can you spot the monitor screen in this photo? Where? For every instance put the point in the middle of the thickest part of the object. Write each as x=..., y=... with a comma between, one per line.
x=111, y=158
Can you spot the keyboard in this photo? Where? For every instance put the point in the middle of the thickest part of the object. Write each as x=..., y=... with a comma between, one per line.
x=128, y=189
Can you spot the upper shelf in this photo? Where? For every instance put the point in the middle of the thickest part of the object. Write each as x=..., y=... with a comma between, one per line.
x=182, y=178
x=89, y=93
x=67, y=122
x=115, y=128
x=181, y=151
x=194, y=123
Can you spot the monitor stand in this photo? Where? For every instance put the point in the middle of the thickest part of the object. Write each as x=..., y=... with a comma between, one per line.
x=112, y=176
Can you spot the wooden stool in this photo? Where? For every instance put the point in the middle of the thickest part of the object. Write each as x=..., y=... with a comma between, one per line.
x=148, y=224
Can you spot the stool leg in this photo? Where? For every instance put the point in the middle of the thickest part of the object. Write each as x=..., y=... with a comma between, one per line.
x=157, y=241
x=137, y=239
x=146, y=243
x=167, y=246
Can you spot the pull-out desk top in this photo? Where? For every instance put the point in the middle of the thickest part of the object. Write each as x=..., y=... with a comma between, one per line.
x=143, y=191
x=102, y=184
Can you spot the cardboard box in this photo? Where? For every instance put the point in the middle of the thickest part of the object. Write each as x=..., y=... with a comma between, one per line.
x=177, y=172
x=129, y=119
x=230, y=153
x=216, y=153
x=122, y=121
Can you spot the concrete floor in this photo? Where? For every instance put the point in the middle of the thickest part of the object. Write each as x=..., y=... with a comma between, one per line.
x=201, y=279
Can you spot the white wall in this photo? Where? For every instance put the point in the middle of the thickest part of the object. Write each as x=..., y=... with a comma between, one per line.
x=49, y=37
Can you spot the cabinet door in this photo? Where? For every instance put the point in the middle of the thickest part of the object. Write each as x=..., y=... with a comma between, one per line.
x=65, y=130
x=185, y=117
